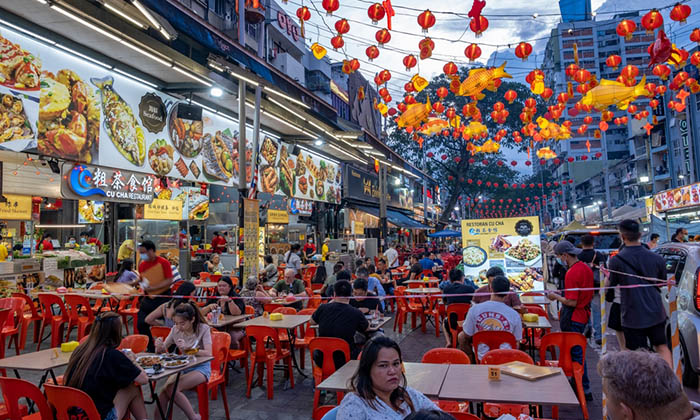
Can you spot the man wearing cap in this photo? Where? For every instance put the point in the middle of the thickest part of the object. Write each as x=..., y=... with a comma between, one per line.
x=576, y=304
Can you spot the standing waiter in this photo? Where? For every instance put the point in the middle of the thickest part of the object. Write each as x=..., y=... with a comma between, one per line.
x=156, y=278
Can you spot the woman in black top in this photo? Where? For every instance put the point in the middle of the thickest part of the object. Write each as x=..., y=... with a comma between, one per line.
x=230, y=303
x=106, y=374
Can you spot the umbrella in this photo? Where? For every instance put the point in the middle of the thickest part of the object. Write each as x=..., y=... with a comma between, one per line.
x=445, y=234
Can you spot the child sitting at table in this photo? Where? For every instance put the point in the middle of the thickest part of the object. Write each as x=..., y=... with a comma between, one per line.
x=190, y=332
x=106, y=374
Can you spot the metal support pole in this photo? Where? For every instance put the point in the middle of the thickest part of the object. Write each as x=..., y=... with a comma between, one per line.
x=605, y=174
x=241, y=169
x=382, y=207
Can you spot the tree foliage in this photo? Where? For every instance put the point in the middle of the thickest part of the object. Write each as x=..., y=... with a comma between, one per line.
x=452, y=165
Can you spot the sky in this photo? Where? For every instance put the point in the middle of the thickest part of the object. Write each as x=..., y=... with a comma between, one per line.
x=510, y=22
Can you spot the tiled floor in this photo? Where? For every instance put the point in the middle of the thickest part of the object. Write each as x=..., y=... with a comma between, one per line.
x=296, y=403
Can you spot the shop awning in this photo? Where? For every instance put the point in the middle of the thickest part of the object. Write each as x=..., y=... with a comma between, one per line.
x=401, y=220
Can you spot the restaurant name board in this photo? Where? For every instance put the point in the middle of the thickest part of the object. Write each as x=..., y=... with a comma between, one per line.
x=17, y=207
x=362, y=185
x=277, y=216
x=89, y=182
x=160, y=209
x=677, y=198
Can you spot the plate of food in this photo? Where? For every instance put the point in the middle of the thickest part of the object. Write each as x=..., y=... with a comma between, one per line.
x=174, y=364
x=91, y=211
x=268, y=179
x=148, y=361
x=160, y=157
x=186, y=135
x=269, y=150
x=525, y=252
x=19, y=69
x=303, y=185
x=474, y=256
x=14, y=124
x=218, y=156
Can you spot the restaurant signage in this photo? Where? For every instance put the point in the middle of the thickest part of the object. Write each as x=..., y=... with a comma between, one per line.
x=90, y=182
x=120, y=122
x=17, y=207
x=362, y=185
x=251, y=222
x=277, y=216
x=513, y=244
x=677, y=198
x=300, y=206
x=163, y=210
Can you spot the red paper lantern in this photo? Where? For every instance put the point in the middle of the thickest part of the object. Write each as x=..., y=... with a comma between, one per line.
x=613, y=61
x=426, y=43
x=337, y=42
x=372, y=53
x=385, y=75
x=426, y=20
x=303, y=13
x=523, y=50
x=450, y=68
x=479, y=25
x=383, y=36
x=662, y=71
x=342, y=26
x=547, y=93
x=629, y=72
x=652, y=21
x=695, y=35
x=530, y=102
x=330, y=6
x=409, y=61
x=571, y=69
x=510, y=96
x=442, y=92
x=375, y=12
x=472, y=52
x=680, y=12
x=626, y=28
x=582, y=76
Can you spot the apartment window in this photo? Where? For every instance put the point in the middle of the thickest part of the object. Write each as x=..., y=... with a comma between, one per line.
x=218, y=6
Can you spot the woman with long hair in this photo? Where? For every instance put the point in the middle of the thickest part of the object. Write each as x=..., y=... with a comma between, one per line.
x=190, y=332
x=126, y=273
x=320, y=275
x=106, y=374
x=230, y=303
x=379, y=386
x=163, y=316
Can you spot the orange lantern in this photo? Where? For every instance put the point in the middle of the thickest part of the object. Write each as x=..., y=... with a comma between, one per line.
x=376, y=12
x=330, y=6
x=425, y=53
x=613, y=61
x=426, y=20
x=479, y=25
x=662, y=71
x=571, y=69
x=385, y=76
x=510, y=96
x=582, y=76
x=342, y=26
x=523, y=50
x=442, y=92
x=383, y=36
x=372, y=52
x=626, y=28
x=409, y=61
x=472, y=52
x=450, y=68
x=629, y=72
x=337, y=42
x=680, y=12
x=695, y=35
x=652, y=20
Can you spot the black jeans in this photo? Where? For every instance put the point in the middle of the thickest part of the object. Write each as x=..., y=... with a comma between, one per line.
x=147, y=306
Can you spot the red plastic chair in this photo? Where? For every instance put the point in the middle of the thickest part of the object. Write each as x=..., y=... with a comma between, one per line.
x=137, y=343
x=498, y=357
x=402, y=309
x=63, y=398
x=129, y=308
x=204, y=276
x=463, y=416
x=493, y=340
x=220, y=343
x=77, y=304
x=304, y=337
x=239, y=354
x=326, y=346
x=314, y=302
x=437, y=311
x=15, y=389
x=308, y=274
x=427, y=273
x=410, y=306
x=321, y=411
x=285, y=310
x=55, y=322
x=565, y=341
x=13, y=323
x=460, y=311
x=263, y=357
x=160, y=331
x=442, y=356
x=540, y=311
x=270, y=307
x=31, y=314
x=174, y=286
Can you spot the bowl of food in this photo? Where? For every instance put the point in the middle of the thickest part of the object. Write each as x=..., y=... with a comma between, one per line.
x=148, y=361
x=474, y=256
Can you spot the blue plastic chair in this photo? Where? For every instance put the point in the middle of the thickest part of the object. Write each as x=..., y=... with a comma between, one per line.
x=331, y=414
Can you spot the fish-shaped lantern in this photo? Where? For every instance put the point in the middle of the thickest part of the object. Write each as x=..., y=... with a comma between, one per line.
x=414, y=115
x=433, y=126
x=480, y=79
x=610, y=92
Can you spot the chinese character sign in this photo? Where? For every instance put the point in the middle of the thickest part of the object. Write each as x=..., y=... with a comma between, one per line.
x=251, y=222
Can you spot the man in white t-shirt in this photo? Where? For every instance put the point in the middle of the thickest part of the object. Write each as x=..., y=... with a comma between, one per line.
x=492, y=315
x=392, y=256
